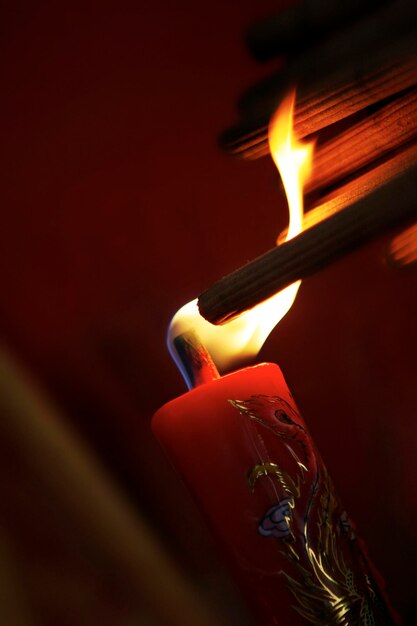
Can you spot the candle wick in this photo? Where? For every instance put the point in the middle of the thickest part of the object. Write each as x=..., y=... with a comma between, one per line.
x=193, y=360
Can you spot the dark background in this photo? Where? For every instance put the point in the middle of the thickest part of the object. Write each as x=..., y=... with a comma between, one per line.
x=117, y=208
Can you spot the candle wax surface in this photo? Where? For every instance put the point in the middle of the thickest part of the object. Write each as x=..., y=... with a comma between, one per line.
x=244, y=451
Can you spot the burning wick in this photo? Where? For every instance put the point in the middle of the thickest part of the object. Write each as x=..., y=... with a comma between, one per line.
x=194, y=360
x=243, y=337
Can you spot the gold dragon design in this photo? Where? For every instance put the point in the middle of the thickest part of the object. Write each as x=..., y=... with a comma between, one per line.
x=325, y=564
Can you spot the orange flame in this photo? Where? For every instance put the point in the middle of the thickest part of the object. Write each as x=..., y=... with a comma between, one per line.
x=244, y=337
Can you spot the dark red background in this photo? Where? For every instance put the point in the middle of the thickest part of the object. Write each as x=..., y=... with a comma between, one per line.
x=118, y=207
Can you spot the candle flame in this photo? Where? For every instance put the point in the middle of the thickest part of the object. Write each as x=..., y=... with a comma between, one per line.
x=244, y=336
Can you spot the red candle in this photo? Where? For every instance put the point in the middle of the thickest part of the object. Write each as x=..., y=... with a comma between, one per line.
x=242, y=447
x=244, y=451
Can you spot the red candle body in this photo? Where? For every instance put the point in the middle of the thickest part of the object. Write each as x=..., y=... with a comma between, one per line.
x=242, y=447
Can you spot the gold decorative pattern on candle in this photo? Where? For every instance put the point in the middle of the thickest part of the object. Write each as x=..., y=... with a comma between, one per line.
x=328, y=574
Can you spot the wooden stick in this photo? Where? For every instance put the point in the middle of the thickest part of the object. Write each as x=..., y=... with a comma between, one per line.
x=194, y=361
x=370, y=139
x=312, y=250
x=323, y=105
x=302, y=25
x=101, y=516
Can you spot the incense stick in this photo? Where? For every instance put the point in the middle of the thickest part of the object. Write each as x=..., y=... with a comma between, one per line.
x=390, y=205
x=386, y=130
x=319, y=106
x=402, y=250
